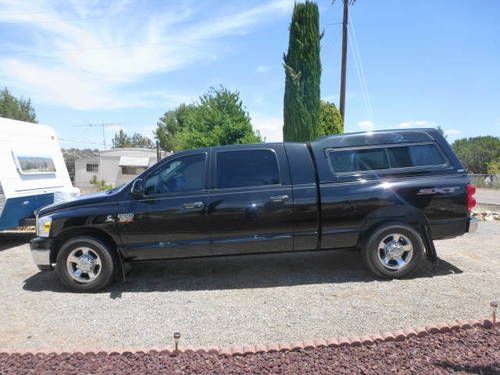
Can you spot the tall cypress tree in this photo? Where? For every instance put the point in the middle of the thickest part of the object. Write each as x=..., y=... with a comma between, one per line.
x=303, y=73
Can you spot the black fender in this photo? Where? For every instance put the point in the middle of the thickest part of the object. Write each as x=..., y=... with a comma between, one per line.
x=65, y=235
x=404, y=214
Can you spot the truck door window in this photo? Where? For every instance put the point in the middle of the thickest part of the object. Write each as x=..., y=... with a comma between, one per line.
x=358, y=160
x=186, y=173
x=247, y=168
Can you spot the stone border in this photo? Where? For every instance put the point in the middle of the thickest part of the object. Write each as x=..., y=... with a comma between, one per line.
x=239, y=350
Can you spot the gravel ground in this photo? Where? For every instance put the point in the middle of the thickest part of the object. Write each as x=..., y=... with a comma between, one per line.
x=463, y=352
x=488, y=196
x=243, y=300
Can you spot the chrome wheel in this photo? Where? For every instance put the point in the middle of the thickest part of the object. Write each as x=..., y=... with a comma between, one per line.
x=83, y=264
x=395, y=251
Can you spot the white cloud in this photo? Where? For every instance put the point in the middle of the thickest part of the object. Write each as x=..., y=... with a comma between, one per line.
x=427, y=124
x=94, y=64
x=423, y=123
x=331, y=98
x=270, y=127
x=263, y=69
x=415, y=124
x=452, y=132
x=366, y=125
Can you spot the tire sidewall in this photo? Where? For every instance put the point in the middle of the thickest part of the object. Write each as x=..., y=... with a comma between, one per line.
x=107, y=260
x=371, y=250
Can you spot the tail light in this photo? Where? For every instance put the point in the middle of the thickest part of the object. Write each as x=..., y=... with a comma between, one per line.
x=471, y=202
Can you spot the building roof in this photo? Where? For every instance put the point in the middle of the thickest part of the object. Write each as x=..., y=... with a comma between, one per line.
x=134, y=161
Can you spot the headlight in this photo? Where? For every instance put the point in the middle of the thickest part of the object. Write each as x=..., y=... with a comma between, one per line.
x=43, y=225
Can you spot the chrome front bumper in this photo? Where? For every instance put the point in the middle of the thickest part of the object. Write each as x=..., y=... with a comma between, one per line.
x=473, y=225
x=40, y=251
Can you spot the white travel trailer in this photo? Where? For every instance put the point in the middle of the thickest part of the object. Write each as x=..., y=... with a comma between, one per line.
x=32, y=171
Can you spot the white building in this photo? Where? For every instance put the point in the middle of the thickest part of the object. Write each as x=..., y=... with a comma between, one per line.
x=115, y=167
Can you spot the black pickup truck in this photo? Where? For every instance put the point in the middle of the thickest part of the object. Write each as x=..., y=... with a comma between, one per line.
x=387, y=193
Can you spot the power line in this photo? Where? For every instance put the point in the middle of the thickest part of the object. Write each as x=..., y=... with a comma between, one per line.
x=358, y=62
x=25, y=14
x=79, y=141
x=59, y=20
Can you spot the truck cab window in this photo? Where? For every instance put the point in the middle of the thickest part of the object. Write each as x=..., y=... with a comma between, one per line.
x=186, y=173
x=247, y=168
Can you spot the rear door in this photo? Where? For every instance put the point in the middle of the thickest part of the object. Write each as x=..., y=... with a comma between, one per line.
x=250, y=205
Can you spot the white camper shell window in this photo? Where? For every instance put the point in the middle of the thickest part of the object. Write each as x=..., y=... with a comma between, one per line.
x=34, y=164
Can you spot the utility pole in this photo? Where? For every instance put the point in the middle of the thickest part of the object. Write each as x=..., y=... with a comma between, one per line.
x=343, y=70
x=158, y=154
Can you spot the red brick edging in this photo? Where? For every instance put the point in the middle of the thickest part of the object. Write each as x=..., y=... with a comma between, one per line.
x=235, y=350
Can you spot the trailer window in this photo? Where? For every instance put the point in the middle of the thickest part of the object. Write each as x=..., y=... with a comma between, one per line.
x=35, y=164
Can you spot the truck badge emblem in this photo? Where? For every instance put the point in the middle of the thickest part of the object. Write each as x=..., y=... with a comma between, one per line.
x=126, y=218
x=443, y=190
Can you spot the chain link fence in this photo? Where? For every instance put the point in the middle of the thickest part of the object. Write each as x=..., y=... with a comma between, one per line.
x=491, y=181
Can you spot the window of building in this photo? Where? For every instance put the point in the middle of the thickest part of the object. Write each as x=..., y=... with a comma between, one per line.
x=186, y=173
x=35, y=164
x=247, y=168
x=92, y=167
x=358, y=160
x=415, y=156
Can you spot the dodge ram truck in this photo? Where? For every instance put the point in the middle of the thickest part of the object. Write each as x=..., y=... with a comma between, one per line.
x=388, y=194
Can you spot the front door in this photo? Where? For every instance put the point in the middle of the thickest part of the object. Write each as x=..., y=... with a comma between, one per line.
x=169, y=221
x=251, y=204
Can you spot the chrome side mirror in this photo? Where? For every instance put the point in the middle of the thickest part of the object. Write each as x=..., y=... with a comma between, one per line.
x=137, y=189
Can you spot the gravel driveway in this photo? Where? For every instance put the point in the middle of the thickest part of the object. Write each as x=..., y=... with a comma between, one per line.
x=489, y=197
x=242, y=300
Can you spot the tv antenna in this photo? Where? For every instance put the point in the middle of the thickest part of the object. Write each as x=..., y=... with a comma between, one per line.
x=102, y=125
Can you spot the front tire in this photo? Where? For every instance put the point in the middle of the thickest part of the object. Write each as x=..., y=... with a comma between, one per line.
x=394, y=251
x=86, y=264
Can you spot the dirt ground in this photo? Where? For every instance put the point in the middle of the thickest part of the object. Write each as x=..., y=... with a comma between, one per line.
x=243, y=300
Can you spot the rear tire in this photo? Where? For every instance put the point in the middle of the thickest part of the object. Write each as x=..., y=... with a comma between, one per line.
x=393, y=250
x=86, y=264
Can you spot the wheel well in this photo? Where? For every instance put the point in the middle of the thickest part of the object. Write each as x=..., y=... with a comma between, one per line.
x=96, y=233
x=402, y=214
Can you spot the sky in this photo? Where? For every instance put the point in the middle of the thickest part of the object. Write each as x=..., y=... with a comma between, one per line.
x=410, y=63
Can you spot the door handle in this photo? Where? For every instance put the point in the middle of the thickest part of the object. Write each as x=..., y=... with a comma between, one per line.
x=278, y=198
x=193, y=205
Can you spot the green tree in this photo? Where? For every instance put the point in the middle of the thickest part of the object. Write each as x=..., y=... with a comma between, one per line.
x=100, y=185
x=441, y=131
x=302, y=64
x=122, y=139
x=330, y=121
x=494, y=167
x=169, y=124
x=218, y=118
x=477, y=152
x=16, y=108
